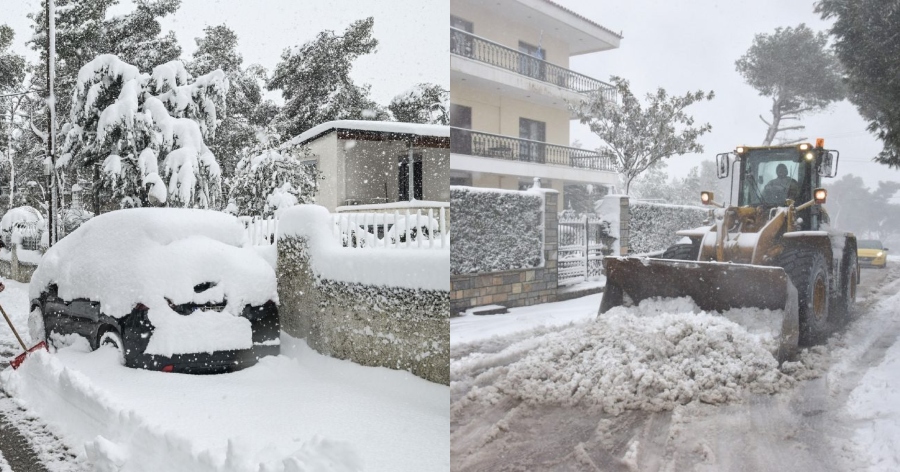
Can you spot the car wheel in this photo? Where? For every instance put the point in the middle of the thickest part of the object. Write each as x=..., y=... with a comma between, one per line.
x=36, y=327
x=112, y=339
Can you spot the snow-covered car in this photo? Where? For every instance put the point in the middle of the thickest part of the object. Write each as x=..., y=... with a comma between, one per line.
x=171, y=289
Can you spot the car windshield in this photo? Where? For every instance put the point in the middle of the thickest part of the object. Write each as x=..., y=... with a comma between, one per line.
x=869, y=244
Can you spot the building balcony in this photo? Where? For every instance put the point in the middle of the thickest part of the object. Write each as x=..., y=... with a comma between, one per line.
x=539, y=75
x=494, y=146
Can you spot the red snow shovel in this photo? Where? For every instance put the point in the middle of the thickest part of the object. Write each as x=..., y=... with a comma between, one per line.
x=15, y=363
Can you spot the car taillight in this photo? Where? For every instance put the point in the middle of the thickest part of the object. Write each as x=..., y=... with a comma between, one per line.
x=168, y=368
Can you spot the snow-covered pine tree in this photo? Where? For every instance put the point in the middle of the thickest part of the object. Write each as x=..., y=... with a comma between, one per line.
x=248, y=110
x=314, y=80
x=423, y=103
x=273, y=180
x=144, y=134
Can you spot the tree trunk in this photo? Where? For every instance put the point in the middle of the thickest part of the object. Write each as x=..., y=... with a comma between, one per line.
x=773, y=126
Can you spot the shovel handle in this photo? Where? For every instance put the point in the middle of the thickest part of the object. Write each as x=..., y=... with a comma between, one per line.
x=13, y=328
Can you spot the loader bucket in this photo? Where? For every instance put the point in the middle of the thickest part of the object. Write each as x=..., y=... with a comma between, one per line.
x=714, y=287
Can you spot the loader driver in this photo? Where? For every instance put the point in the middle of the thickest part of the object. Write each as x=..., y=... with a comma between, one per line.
x=781, y=188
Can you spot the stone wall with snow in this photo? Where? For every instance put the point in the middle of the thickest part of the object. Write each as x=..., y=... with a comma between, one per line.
x=509, y=288
x=652, y=226
x=374, y=306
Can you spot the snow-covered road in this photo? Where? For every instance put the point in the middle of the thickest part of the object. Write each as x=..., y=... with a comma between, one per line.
x=837, y=409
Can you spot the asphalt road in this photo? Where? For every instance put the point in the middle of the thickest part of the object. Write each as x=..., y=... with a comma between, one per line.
x=13, y=444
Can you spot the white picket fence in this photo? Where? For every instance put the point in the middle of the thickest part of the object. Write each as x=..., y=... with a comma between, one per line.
x=260, y=231
x=400, y=229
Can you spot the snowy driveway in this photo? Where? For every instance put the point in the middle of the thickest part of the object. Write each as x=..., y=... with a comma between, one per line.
x=838, y=409
x=297, y=411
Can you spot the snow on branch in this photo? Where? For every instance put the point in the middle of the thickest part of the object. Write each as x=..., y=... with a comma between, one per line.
x=125, y=121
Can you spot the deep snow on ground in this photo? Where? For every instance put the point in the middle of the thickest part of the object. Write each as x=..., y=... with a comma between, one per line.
x=4, y=466
x=652, y=357
x=840, y=409
x=297, y=411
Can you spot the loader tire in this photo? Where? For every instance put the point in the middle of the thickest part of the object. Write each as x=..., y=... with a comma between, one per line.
x=682, y=252
x=808, y=272
x=846, y=300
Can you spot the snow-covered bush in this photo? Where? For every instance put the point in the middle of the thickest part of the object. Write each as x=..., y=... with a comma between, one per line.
x=26, y=222
x=265, y=184
x=653, y=225
x=146, y=132
x=495, y=230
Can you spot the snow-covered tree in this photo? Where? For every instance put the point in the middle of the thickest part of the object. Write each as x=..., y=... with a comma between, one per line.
x=868, y=47
x=423, y=103
x=12, y=65
x=273, y=180
x=314, y=80
x=796, y=69
x=248, y=111
x=640, y=136
x=143, y=135
x=85, y=30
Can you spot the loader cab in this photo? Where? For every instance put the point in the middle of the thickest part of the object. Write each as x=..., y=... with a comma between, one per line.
x=771, y=175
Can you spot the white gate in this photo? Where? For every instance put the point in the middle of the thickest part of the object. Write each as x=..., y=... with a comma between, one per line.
x=582, y=244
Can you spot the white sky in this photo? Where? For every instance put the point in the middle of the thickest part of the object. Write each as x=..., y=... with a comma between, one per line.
x=688, y=45
x=413, y=45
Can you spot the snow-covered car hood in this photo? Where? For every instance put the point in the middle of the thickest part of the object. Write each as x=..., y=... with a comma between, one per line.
x=147, y=255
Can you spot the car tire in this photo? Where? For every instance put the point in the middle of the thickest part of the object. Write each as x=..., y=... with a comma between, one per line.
x=36, y=327
x=111, y=338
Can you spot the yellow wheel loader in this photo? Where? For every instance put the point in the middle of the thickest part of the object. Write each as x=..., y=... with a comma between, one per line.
x=773, y=250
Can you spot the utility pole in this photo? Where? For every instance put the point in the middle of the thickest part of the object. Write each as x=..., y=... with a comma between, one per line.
x=51, y=135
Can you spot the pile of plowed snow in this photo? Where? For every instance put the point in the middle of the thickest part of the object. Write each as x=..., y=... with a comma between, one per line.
x=652, y=357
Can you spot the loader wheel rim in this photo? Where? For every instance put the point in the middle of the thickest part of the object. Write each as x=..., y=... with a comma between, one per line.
x=819, y=299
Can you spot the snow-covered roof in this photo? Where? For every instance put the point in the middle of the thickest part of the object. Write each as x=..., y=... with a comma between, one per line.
x=391, y=127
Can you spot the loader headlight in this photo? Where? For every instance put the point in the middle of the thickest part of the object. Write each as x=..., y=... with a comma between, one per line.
x=820, y=195
x=706, y=197
x=804, y=147
x=740, y=149
x=810, y=156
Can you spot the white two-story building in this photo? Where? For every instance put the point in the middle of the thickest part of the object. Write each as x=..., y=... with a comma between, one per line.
x=510, y=90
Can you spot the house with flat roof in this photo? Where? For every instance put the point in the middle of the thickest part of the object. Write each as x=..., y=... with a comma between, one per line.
x=510, y=90
x=378, y=164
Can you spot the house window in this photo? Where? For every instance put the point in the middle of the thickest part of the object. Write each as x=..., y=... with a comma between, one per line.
x=532, y=130
x=460, y=43
x=460, y=123
x=403, y=177
x=531, y=63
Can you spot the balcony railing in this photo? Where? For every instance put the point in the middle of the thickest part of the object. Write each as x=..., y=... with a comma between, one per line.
x=476, y=143
x=480, y=49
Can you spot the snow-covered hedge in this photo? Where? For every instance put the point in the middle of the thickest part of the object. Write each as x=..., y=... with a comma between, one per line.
x=653, y=225
x=495, y=230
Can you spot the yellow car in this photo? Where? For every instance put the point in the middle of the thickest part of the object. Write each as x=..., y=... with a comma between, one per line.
x=871, y=253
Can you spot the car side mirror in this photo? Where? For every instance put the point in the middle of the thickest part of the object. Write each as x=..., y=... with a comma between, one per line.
x=829, y=163
x=885, y=249
x=722, y=165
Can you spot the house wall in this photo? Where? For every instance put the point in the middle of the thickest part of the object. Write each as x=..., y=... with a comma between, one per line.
x=331, y=189
x=499, y=114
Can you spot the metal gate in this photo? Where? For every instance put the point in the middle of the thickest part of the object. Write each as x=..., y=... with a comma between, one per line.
x=582, y=244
